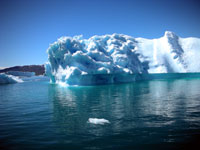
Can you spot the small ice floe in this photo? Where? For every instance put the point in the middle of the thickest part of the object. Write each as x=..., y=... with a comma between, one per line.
x=98, y=121
x=6, y=79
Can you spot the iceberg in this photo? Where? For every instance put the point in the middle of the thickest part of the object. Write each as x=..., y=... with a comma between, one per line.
x=98, y=121
x=20, y=73
x=119, y=58
x=35, y=78
x=6, y=79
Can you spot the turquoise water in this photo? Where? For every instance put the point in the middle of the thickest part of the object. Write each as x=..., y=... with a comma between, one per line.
x=159, y=114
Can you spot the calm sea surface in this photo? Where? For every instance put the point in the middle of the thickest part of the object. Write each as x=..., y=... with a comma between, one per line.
x=159, y=114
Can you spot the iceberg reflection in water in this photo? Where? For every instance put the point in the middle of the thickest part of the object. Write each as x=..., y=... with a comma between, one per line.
x=162, y=111
x=156, y=114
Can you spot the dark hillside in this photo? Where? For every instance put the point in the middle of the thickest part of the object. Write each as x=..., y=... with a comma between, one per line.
x=38, y=69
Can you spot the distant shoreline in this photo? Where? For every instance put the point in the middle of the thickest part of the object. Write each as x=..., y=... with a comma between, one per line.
x=38, y=69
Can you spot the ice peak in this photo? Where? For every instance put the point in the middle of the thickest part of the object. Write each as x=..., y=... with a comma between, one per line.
x=170, y=34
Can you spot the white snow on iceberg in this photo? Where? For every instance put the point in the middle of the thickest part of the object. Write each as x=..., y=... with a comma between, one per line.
x=6, y=79
x=98, y=121
x=118, y=57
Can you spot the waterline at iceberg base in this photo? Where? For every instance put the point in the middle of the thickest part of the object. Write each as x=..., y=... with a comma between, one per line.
x=100, y=79
x=120, y=58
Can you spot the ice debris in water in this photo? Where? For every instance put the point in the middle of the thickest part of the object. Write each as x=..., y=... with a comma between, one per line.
x=98, y=121
x=109, y=58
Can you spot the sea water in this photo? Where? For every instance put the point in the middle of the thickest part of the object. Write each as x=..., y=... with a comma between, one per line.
x=157, y=114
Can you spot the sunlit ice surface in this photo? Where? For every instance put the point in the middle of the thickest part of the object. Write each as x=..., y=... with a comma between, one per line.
x=113, y=58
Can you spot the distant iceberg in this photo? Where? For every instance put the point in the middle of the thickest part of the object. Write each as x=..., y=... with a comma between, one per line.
x=119, y=58
x=6, y=79
x=98, y=121
x=20, y=73
x=35, y=78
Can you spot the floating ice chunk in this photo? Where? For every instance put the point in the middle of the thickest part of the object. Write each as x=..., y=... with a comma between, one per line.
x=98, y=121
x=6, y=79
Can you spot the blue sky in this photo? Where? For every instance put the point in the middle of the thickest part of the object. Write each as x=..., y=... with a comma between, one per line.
x=27, y=27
